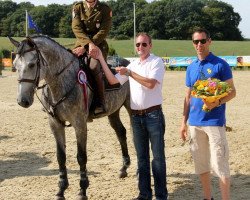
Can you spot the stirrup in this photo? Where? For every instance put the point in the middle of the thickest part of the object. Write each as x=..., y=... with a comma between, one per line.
x=99, y=110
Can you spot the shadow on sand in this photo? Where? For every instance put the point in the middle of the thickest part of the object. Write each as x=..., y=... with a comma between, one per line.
x=190, y=189
x=29, y=164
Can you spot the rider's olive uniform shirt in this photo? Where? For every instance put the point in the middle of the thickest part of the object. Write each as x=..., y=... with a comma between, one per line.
x=92, y=24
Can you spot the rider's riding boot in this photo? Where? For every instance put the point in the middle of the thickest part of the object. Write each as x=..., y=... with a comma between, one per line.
x=100, y=104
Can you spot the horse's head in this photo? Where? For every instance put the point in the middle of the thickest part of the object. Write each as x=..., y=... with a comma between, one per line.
x=27, y=63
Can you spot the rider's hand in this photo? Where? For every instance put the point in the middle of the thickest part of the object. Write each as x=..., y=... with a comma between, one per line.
x=97, y=54
x=93, y=50
x=79, y=51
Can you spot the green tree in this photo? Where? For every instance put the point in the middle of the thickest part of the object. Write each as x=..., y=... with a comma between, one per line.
x=222, y=21
x=151, y=19
x=175, y=19
x=65, y=30
x=123, y=17
x=6, y=8
x=162, y=19
x=48, y=18
x=171, y=19
x=14, y=23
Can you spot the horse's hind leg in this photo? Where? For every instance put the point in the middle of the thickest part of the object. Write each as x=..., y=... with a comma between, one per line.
x=116, y=124
x=59, y=134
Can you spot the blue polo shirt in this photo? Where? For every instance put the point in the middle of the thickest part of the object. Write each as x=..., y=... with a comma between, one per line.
x=211, y=67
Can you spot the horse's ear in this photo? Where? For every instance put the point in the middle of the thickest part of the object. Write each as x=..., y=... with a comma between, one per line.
x=14, y=42
x=31, y=43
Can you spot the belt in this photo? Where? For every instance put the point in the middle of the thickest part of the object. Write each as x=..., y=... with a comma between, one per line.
x=145, y=111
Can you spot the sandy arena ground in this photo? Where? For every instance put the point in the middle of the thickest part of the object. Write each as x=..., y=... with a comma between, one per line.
x=28, y=165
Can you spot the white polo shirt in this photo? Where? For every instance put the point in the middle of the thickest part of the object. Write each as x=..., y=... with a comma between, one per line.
x=142, y=97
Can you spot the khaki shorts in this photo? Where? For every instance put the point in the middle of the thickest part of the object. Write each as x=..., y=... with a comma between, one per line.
x=209, y=149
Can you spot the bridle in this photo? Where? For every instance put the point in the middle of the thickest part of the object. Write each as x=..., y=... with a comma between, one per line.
x=35, y=81
x=34, y=47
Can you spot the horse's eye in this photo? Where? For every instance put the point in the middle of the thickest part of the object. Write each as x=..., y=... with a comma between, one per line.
x=31, y=65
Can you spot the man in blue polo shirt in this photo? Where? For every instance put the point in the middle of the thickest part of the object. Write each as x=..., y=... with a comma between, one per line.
x=208, y=143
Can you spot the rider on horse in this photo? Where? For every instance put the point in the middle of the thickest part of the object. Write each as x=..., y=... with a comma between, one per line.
x=91, y=22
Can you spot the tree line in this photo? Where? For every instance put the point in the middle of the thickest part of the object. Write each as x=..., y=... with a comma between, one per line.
x=162, y=19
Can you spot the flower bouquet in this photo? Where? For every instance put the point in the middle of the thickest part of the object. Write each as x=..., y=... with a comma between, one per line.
x=210, y=90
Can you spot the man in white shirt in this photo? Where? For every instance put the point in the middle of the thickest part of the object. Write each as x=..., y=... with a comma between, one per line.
x=146, y=77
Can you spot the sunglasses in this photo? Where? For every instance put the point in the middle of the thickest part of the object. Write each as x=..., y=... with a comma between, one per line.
x=202, y=41
x=143, y=44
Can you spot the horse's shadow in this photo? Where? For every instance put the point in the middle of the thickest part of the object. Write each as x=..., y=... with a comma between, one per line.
x=28, y=164
x=191, y=189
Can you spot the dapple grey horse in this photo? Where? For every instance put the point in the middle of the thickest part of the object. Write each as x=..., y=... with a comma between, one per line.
x=65, y=100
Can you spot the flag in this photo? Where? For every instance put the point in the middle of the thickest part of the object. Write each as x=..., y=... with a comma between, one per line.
x=32, y=24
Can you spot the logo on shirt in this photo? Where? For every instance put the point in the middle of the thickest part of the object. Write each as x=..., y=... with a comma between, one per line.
x=209, y=71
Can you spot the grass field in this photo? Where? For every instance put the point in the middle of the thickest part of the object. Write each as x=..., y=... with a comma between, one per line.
x=161, y=48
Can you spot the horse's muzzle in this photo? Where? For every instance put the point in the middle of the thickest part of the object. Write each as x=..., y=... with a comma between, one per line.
x=24, y=102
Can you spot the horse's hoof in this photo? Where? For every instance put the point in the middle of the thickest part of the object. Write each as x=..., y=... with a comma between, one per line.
x=123, y=174
x=80, y=197
x=60, y=198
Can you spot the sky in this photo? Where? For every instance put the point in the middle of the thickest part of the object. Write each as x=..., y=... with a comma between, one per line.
x=240, y=6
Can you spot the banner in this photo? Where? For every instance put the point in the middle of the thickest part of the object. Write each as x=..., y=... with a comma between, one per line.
x=231, y=60
x=178, y=61
x=243, y=61
x=185, y=61
x=166, y=60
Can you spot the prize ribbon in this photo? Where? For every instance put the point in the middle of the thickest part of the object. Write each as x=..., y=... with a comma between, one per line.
x=82, y=79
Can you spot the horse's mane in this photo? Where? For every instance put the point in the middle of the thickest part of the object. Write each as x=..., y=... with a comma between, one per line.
x=49, y=38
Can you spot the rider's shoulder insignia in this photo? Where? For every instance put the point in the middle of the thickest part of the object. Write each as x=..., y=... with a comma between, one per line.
x=76, y=9
x=73, y=13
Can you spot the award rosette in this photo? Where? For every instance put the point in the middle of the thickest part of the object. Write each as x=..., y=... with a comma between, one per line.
x=82, y=80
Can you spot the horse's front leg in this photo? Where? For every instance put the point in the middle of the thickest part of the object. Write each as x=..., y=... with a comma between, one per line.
x=116, y=124
x=58, y=131
x=81, y=136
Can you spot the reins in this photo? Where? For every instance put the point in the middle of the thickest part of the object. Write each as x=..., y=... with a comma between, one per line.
x=53, y=106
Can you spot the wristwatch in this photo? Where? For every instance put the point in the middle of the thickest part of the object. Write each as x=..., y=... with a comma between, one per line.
x=128, y=72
